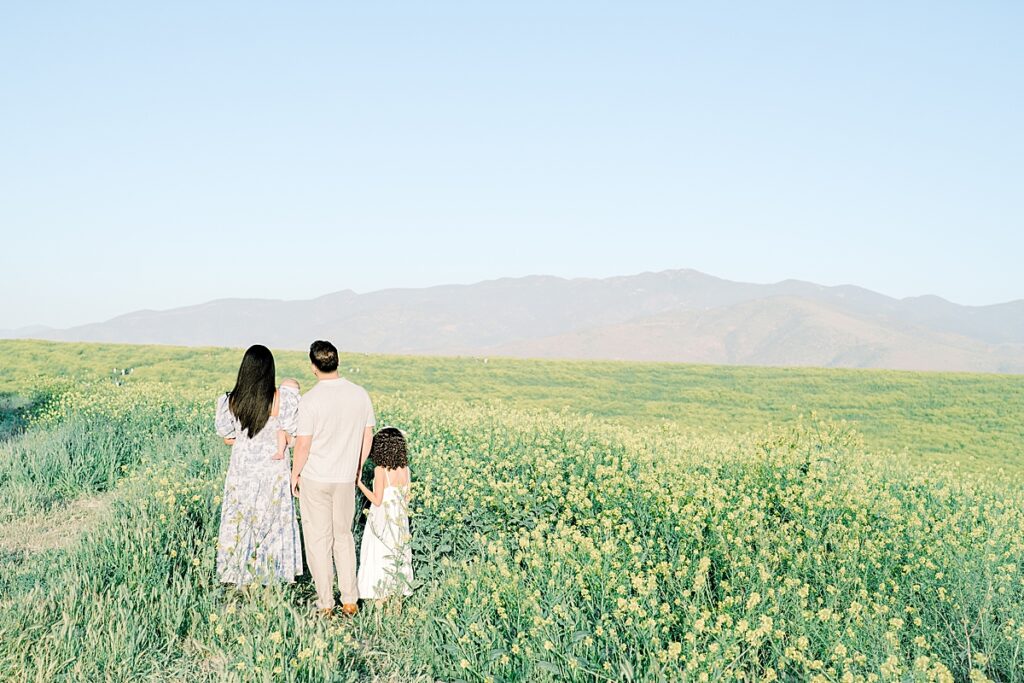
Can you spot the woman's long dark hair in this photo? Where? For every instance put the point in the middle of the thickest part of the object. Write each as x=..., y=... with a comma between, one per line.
x=253, y=396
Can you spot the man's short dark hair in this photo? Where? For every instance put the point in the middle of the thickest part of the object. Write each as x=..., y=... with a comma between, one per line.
x=324, y=356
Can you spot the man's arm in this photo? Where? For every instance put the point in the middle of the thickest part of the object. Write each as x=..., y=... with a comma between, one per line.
x=299, y=457
x=371, y=422
x=365, y=451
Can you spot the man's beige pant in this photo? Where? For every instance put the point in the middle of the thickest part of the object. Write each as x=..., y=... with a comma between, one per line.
x=327, y=515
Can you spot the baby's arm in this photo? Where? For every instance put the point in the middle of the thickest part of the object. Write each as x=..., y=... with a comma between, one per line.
x=284, y=439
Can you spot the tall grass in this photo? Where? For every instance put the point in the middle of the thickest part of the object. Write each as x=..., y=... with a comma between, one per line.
x=87, y=440
x=547, y=547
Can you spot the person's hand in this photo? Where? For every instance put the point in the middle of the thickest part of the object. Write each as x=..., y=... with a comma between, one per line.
x=229, y=442
x=295, y=484
x=278, y=456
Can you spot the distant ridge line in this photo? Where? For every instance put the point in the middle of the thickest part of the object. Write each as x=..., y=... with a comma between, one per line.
x=673, y=315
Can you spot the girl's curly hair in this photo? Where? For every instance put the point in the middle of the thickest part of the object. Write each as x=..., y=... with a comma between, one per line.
x=388, y=449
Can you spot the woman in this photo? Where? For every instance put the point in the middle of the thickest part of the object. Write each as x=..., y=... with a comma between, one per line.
x=259, y=534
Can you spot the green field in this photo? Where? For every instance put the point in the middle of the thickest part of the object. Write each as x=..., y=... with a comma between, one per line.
x=572, y=521
x=969, y=419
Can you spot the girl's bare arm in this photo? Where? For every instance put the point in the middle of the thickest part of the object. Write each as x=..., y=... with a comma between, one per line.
x=376, y=496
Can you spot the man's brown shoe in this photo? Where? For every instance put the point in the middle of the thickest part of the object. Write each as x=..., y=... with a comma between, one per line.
x=349, y=609
x=325, y=612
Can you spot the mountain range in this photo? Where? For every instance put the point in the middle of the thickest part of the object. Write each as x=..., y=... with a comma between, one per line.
x=677, y=315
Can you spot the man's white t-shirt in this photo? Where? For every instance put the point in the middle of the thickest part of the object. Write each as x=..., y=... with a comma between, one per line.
x=335, y=413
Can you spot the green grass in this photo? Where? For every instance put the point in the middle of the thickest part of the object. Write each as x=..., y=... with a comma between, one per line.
x=969, y=419
x=666, y=537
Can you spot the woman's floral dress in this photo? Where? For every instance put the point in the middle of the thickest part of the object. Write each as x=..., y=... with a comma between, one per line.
x=259, y=535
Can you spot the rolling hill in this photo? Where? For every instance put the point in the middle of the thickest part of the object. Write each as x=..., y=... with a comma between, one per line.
x=679, y=315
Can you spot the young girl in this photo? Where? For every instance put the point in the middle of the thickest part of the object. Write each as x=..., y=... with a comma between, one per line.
x=385, y=559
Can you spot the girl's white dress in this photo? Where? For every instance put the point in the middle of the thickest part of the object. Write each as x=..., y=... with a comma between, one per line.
x=385, y=558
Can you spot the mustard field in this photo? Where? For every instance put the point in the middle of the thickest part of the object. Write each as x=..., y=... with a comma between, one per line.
x=571, y=522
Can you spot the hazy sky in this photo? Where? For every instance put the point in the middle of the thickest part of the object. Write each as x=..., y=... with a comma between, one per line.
x=160, y=154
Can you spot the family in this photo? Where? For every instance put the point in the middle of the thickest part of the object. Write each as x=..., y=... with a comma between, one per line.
x=331, y=431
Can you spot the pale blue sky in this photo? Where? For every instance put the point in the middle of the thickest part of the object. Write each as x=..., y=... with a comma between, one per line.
x=163, y=154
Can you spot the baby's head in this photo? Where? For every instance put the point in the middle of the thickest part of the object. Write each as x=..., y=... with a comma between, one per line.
x=388, y=449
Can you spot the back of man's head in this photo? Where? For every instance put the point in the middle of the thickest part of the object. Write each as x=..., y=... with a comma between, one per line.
x=324, y=356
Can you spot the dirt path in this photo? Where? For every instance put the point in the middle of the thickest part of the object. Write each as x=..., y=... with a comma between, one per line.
x=58, y=528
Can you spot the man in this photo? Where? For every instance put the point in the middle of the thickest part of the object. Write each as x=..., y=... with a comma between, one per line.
x=335, y=430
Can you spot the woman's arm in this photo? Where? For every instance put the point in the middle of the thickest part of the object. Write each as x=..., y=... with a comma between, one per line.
x=376, y=496
x=225, y=421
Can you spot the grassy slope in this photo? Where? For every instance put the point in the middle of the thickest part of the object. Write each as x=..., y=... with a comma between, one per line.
x=562, y=549
x=967, y=418
x=565, y=549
